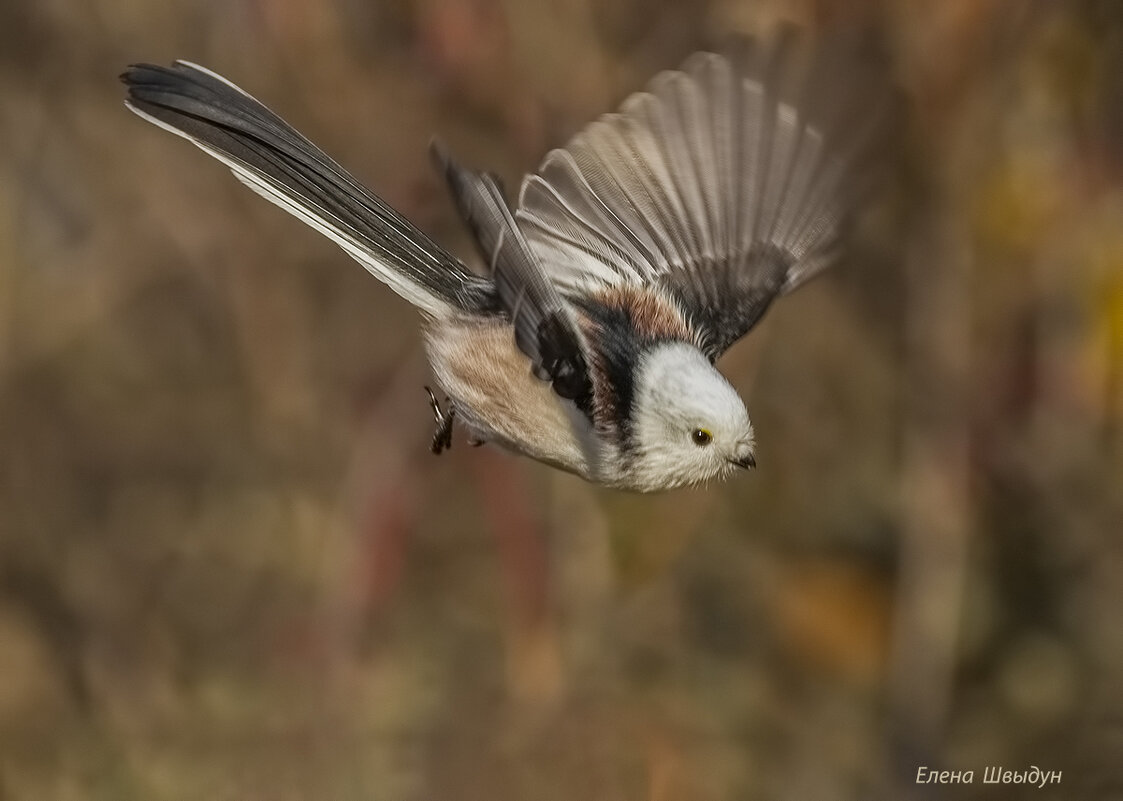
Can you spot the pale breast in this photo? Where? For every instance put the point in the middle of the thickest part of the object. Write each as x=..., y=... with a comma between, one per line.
x=496, y=396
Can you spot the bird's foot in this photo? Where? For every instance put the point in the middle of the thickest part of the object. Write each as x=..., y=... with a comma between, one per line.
x=442, y=437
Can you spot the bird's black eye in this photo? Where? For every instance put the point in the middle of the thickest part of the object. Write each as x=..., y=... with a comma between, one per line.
x=702, y=437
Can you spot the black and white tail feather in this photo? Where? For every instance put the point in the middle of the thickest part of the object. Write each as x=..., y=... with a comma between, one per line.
x=274, y=160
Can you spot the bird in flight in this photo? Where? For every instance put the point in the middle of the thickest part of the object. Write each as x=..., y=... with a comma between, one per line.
x=633, y=259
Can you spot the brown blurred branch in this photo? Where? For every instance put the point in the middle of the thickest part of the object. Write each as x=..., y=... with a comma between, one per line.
x=935, y=503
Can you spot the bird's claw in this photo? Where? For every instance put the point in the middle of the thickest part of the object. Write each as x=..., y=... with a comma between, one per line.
x=442, y=437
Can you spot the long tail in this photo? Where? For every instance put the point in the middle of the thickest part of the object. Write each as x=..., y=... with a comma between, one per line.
x=274, y=160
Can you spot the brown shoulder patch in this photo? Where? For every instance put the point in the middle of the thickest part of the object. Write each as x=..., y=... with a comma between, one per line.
x=653, y=316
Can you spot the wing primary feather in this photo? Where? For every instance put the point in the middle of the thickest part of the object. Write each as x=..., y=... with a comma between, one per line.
x=643, y=113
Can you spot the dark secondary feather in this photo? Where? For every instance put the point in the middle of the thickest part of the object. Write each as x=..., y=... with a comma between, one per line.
x=545, y=329
x=726, y=183
x=277, y=161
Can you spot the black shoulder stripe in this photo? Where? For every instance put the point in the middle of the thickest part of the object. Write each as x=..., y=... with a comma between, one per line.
x=617, y=345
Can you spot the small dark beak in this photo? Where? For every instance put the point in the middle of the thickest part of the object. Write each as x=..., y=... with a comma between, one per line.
x=745, y=461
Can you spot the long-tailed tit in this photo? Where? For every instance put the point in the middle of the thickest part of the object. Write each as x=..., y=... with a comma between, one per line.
x=635, y=257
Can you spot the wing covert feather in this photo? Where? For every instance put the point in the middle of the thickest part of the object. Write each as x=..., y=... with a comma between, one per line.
x=545, y=329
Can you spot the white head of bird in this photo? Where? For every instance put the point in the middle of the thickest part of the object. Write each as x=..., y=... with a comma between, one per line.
x=689, y=425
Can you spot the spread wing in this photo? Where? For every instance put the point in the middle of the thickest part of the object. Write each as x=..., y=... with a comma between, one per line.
x=725, y=183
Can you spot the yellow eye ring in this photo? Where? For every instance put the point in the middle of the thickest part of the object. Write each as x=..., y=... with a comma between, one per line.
x=701, y=437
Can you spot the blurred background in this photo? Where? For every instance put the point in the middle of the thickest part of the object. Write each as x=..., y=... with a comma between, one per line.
x=230, y=568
